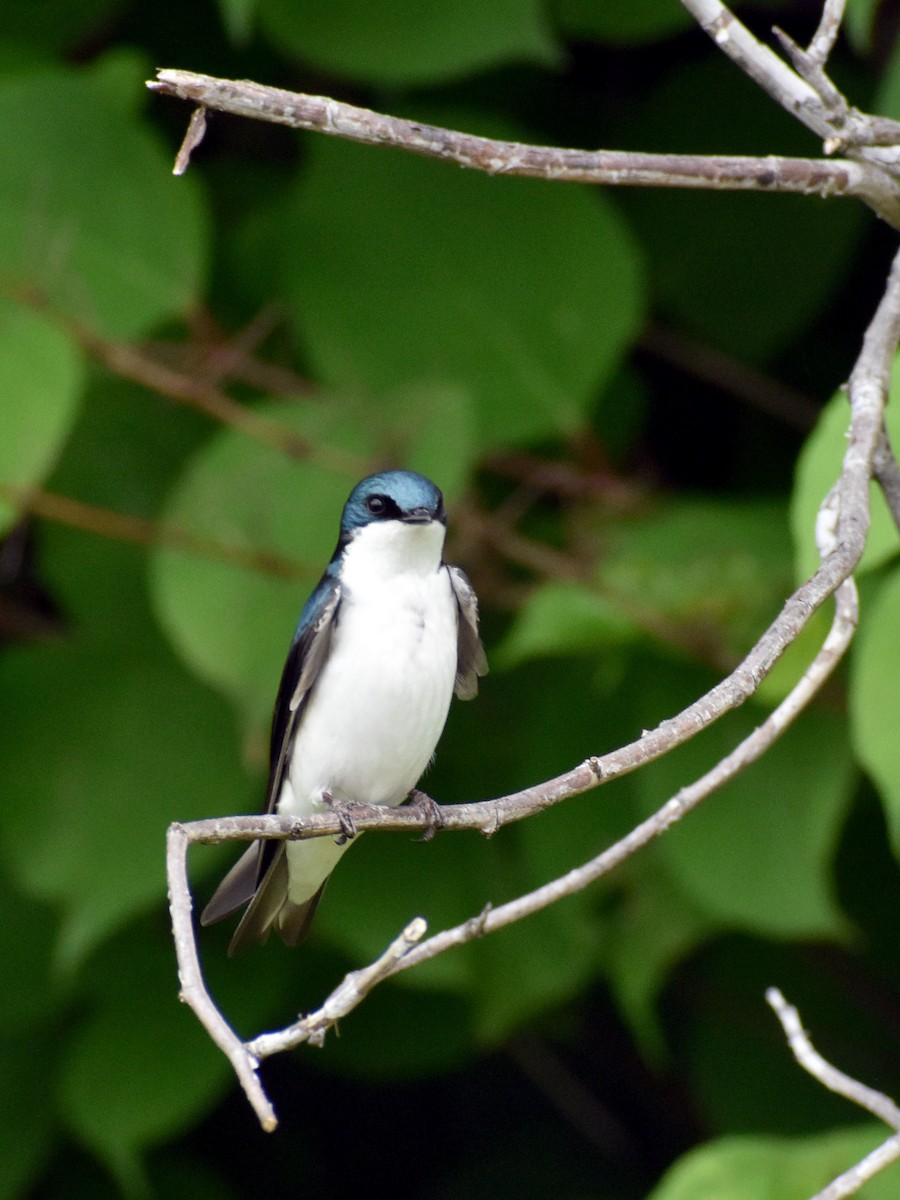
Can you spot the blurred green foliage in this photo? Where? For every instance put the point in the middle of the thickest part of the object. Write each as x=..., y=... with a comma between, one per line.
x=630, y=519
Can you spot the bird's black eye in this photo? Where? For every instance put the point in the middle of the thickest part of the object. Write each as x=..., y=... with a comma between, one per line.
x=377, y=505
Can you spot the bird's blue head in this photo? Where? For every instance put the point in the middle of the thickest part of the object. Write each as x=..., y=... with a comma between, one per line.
x=392, y=496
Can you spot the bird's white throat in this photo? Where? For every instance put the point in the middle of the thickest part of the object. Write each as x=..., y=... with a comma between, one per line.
x=383, y=550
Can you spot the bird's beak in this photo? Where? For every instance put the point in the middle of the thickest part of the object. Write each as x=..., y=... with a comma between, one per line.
x=418, y=516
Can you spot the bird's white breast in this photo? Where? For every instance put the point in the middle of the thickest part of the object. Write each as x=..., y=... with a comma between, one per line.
x=379, y=706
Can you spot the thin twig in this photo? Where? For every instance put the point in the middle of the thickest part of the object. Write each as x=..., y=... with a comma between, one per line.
x=887, y=473
x=105, y=522
x=748, y=384
x=748, y=751
x=851, y=1089
x=616, y=168
x=192, y=139
x=867, y=1168
x=349, y=993
x=821, y=107
x=827, y=32
x=193, y=989
x=830, y=1077
x=130, y=362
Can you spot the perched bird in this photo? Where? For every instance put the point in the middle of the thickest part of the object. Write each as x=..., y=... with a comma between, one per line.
x=387, y=636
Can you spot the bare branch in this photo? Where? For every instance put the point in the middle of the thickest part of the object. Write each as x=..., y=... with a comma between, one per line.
x=760, y=63
x=875, y=1102
x=830, y=1077
x=350, y=992
x=827, y=33
x=131, y=362
x=867, y=1168
x=105, y=522
x=193, y=990
x=617, y=168
x=193, y=137
x=750, y=749
x=809, y=95
x=887, y=472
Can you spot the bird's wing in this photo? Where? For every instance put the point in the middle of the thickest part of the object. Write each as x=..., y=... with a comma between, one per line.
x=259, y=874
x=305, y=660
x=471, y=661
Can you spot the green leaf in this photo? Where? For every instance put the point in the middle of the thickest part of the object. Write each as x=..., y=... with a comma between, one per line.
x=181, y=1176
x=233, y=625
x=238, y=17
x=388, y=879
x=775, y=1168
x=722, y=288
x=402, y=271
x=653, y=928
x=563, y=618
x=557, y=950
x=90, y=215
x=756, y=855
x=26, y=951
x=631, y=22
x=409, y=41
x=707, y=572
x=818, y=469
x=136, y=745
x=56, y=23
x=41, y=377
x=123, y=453
x=138, y=1032
x=887, y=97
x=873, y=695
x=858, y=23
x=27, y=1116
x=400, y=1033
x=433, y=425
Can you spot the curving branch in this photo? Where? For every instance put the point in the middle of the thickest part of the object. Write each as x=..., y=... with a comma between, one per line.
x=830, y=1077
x=837, y=1081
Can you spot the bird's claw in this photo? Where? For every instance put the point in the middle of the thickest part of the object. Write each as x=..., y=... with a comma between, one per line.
x=341, y=810
x=430, y=809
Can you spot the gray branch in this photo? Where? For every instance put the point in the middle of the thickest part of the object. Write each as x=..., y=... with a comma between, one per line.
x=844, y=1085
x=614, y=168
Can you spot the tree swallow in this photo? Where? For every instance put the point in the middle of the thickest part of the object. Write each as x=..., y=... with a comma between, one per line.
x=387, y=636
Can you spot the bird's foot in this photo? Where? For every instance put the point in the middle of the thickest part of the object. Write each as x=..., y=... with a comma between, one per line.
x=430, y=809
x=341, y=810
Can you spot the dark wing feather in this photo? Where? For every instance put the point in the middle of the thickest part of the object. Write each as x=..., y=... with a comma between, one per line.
x=471, y=661
x=305, y=660
x=260, y=875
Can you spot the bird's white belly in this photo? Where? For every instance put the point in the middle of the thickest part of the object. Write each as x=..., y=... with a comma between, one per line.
x=376, y=711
